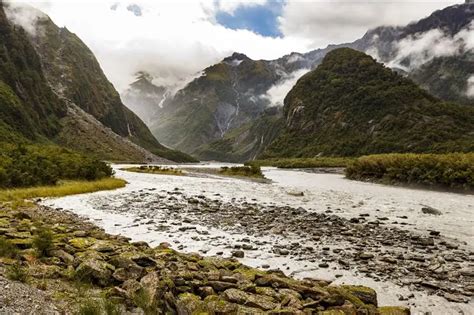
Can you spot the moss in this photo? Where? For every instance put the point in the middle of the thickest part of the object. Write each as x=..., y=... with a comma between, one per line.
x=82, y=242
x=249, y=273
x=394, y=310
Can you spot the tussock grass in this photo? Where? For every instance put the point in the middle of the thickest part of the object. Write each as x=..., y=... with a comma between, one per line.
x=303, y=162
x=64, y=188
x=154, y=170
x=454, y=170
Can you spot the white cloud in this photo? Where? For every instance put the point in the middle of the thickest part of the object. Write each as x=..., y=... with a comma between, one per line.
x=23, y=16
x=470, y=87
x=276, y=93
x=338, y=21
x=174, y=39
x=423, y=47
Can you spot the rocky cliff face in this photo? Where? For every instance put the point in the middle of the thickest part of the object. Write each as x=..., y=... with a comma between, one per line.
x=351, y=105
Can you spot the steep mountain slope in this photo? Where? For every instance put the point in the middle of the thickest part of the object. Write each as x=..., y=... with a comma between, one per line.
x=222, y=99
x=351, y=105
x=29, y=109
x=36, y=92
x=204, y=112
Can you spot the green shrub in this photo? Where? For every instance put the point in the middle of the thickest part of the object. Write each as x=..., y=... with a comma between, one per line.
x=43, y=241
x=454, y=170
x=248, y=171
x=303, y=162
x=90, y=307
x=26, y=166
x=7, y=249
x=17, y=273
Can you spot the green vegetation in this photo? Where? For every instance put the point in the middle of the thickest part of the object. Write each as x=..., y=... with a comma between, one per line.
x=27, y=166
x=455, y=170
x=91, y=306
x=151, y=169
x=303, y=162
x=17, y=272
x=63, y=188
x=7, y=249
x=245, y=171
x=353, y=106
x=43, y=241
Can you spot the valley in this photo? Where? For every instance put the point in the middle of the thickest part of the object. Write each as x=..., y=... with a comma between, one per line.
x=339, y=230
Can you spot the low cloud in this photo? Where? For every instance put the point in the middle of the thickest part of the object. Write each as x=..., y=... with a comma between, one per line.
x=416, y=50
x=24, y=15
x=276, y=94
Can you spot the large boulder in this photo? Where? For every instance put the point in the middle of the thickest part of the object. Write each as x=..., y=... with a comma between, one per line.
x=95, y=270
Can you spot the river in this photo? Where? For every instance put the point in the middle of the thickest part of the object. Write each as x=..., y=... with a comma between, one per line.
x=150, y=207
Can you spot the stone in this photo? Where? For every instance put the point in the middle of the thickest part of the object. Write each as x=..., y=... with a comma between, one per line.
x=394, y=310
x=221, y=286
x=456, y=298
x=252, y=300
x=206, y=291
x=365, y=294
x=430, y=210
x=238, y=254
x=95, y=270
x=68, y=259
x=366, y=255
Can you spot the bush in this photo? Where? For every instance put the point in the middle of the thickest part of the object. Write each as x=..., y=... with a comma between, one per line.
x=303, y=162
x=43, y=241
x=26, y=166
x=7, y=249
x=92, y=306
x=16, y=272
x=248, y=171
x=454, y=170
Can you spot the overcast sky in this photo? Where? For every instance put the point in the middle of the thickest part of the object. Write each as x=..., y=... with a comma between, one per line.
x=175, y=39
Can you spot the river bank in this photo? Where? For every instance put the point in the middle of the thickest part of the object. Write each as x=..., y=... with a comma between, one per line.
x=308, y=235
x=87, y=271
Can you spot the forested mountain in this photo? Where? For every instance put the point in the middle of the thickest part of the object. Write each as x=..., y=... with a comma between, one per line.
x=351, y=106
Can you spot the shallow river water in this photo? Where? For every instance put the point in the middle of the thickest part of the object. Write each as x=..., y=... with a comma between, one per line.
x=121, y=212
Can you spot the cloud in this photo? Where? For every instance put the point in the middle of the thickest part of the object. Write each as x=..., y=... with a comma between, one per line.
x=175, y=39
x=23, y=15
x=276, y=94
x=470, y=87
x=338, y=21
x=414, y=51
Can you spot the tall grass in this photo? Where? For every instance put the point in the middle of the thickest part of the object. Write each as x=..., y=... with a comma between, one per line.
x=303, y=162
x=62, y=189
x=455, y=170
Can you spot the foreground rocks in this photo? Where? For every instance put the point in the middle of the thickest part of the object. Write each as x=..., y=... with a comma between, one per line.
x=85, y=263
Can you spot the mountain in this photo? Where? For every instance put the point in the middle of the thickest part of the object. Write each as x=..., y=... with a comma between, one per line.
x=81, y=109
x=352, y=105
x=231, y=95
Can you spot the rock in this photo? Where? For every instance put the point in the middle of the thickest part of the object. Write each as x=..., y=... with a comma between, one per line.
x=95, y=270
x=123, y=274
x=456, y=298
x=365, y=294
x=206, y=291
x=296, y=193
x=430, y=210
x=221, y=286
x=467, y=272
x=238, y=254
x=366, y=255
x=252, y=300
x=323, y=265
x=188, y=304
x=68, y=259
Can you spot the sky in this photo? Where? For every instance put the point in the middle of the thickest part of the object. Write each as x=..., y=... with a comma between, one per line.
x=175, y=39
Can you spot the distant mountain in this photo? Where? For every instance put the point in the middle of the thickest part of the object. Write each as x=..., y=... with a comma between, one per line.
x=351, y=106
x=436, y=52
x=78, y=106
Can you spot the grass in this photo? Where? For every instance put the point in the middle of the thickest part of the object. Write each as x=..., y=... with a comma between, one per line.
x=64, y=188
x=7, y=249
x=154, y=170
x=43, y=241
x=246, y=171
x=453, y=170
x=303, y=162
x=16, y=272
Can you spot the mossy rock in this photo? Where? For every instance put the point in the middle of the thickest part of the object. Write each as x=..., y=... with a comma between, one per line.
x=217, y=305
x=82, y=243
x=4, y=223
x=332, y=312
x=22, y=243
x=365, y=294
x=190, y=304
x=394, y=310
x=22, y=235
x=249, y=273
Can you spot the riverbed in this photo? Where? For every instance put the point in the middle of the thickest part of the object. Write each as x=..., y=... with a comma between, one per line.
x=216, y=215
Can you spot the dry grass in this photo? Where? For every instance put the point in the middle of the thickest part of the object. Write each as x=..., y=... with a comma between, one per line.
x=64, y=188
